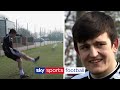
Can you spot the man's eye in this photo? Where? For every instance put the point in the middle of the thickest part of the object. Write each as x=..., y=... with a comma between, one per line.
x=100, y=44
x=84, y=47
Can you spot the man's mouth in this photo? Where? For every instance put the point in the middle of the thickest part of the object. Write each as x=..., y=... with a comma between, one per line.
x=95, y=60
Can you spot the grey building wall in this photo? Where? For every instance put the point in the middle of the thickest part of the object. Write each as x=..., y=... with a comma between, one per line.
x=9, y=25
x=2, y=28
x=5, y=26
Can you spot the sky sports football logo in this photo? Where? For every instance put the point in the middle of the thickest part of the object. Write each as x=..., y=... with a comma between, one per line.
x=49, y=70
x=59, y=70
x=74, y=70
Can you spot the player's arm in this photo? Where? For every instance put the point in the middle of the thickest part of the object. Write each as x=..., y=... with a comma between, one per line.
x=19, y=35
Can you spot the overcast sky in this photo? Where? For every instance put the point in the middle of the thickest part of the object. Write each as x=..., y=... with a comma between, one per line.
x=48, y=20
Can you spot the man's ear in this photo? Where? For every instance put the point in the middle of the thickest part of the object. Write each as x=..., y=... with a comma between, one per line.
x=115, y=45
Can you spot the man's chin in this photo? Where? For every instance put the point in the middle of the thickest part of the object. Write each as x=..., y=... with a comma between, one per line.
x=96, y=72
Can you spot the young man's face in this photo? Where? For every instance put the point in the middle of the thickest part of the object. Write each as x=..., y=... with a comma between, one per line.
x=13, y=35
x=97, y=55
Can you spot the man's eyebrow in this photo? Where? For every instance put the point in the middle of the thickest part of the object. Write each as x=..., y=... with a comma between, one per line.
x=100, y=41
x=82, y=44
x=85, y=43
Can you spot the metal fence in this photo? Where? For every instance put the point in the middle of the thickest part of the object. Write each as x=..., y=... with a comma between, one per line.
x=25, y=43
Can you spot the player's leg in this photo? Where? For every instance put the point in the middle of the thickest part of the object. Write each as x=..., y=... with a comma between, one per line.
x=19, y=61
x=24, y=56
x=20, y=67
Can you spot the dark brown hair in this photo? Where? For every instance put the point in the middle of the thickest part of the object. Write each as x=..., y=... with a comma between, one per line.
x=91, y=25
x=12, y=31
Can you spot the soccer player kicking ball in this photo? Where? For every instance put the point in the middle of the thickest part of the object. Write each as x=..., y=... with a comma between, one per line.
x=14, y=54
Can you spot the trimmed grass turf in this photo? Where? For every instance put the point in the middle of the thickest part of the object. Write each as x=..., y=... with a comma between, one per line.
x=48, y=58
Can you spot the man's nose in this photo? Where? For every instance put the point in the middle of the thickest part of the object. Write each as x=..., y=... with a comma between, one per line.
x=93, y=52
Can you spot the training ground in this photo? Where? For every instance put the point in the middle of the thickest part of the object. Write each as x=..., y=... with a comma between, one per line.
x=48, y=58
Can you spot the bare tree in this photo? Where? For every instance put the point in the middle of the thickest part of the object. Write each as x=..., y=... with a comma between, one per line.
x=70, y=18
x=68, y=13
